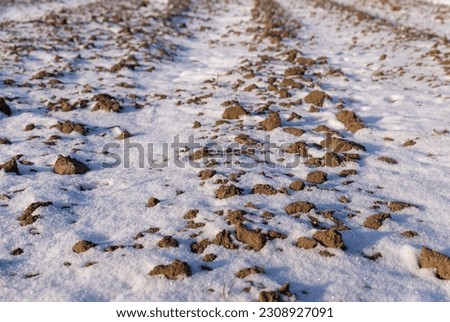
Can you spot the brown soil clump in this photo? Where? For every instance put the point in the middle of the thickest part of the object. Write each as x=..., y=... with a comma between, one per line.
x=306, y=243
x=294, y=131
x=331, y=159
x=235, y=217
x=245, y=139
x=388, y=160
x=271, y=122
x=299, y=147
x=106, y=102
x=350, y=120
x=316, y=97
x=399, y=205
x=330, y=238
x=223, y=238
x=234, y=112
x=341, y=145
x=152, y=202
x=346, y=173
x=409, y=234
x=209, y=258
x=299, y=207
x=4, y=108
x=253, y=238
x=191, y=214
x=317, y=177
x=68, y=127
x=206, y=174
x=124, y=135
x=65, y=165
x=227, y=191
x=27, y=217
x=297, y=185
x=200, y=154
x=177, y=269
x=199, y=247
x=264, y=189
x=249, y=271
x=16, y=252
x=409, y=143
x=432, y=259
x=168, y=241
x=83, y=246
x=62, y=105
x=295, y=71
x=269, y=296
x=29, y=127
x=376, y=221
x=10, y=166
x=4, y=141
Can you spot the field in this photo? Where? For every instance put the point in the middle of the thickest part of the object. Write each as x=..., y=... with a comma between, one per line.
x=229, y=150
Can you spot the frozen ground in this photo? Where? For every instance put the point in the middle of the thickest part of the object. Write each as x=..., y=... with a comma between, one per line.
x=171, y=69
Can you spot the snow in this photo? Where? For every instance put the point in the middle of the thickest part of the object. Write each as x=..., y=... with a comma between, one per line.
x=107, y=205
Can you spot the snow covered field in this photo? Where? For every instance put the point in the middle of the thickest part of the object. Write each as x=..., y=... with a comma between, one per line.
x=311, y=160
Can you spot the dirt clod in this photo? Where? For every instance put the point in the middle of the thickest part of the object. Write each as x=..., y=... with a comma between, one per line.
x=82, y=246
x=294, y=131
x=234, y=112
x=341, y=145
x=227, y=191
x=376, y=221
x=253, y=238
x=10, y=166
x=177, y=269
x=68, y=127
x=206, y=174
x=330, y=238
x=106, y=102
x=317, y=177
x=271, y=122
x=306, y=243
x=168, y=241
x=27, y=217
x=269, y=296
x=297, y=185
x=224, y=239
x=299, y=207
x=65, y=165
x=124, y=135
x=249, y=271
x=152, y=202
x=16, y=252
x=4, y=108
x=331, y=159
x=432, y=259
x=350, y=120
x=264, y=189
x=209, y=257
x=316, y=97
x=299, y=147
x=399, y=205
x=388, y=160
x=409, y=234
